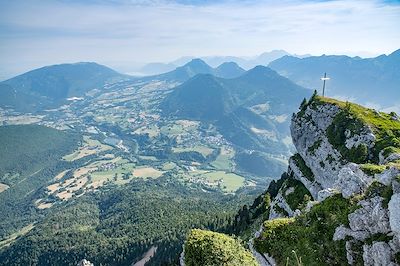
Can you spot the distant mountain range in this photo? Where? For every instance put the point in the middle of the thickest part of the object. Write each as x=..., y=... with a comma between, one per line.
x=51, y=85
x=252, y=110
x=198, y=66
x=369, y=81
x=214, y=61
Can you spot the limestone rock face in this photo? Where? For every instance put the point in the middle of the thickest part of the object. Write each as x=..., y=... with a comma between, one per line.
x=309, y=137
x=390, y=158
x=378, y=254
x=313, y=187
x=388, y=175
x=366, y=137
x=373, y=229
x=351, y=180
x=278, y=203
x=331, y=171
x=371, y=217
x=394, y=213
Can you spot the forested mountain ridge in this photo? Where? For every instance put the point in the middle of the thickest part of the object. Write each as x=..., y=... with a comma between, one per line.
x=250, y=110
x=52, y=85
x=338, y=203
x=30, y=157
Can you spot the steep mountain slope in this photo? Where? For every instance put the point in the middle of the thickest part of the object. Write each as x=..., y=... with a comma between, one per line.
x=198, y=66
x=338, y=203
x=30, y=156
x=117, y=225
x=251, y=110
x=351, y=77
x=52, y=85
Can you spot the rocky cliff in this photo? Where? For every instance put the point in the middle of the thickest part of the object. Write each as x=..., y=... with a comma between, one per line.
x=349, y=213
x=339, y=201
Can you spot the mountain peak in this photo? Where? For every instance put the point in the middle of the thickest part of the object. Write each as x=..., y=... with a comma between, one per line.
x=229, y=70
x=197, y=62
x=260, y=71
x=395, y=53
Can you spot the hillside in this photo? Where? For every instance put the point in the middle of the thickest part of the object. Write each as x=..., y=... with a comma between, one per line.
x=251, y=110
x=51, y=85
x=351, y=77
x=338, y=203
x=30, y=155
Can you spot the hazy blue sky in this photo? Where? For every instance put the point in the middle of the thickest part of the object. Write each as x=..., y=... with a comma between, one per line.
x=123, y=33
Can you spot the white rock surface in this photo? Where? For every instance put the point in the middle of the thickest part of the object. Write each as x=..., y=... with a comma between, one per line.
x=312, y=186
x=341, y=232
x=279, y=201
x=390, y=158
x=323, y=159
x=351, y=180
x=387, y=176
x=394, y=213
x=326, y=193
x=85, y=262
x=371, y=217
x=378, y=254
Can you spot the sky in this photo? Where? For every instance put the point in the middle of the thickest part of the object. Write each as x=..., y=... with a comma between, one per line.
x=125, y=34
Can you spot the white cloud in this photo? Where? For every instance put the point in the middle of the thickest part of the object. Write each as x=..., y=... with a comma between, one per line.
x=34, y=33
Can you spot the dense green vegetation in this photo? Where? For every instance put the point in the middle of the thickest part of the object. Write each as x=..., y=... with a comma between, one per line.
x=308, y=236
x=209, y=249
x=118, y=224
x=259, y=210
x=25, y=149
x=30, y=157
x=300, y=195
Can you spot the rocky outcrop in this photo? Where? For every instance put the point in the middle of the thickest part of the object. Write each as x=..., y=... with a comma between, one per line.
x=371, y=218
x=85, y=262
x=326, y=168
x=331, y=171
x=378, y=254
x=279, y=207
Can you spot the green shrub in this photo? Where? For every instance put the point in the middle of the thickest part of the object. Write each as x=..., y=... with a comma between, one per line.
x=378, y=189
x=315, y=146
x=303, y=167
x=371, y=169
x=309, y=235
x=296, y=199
x=209, y=248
